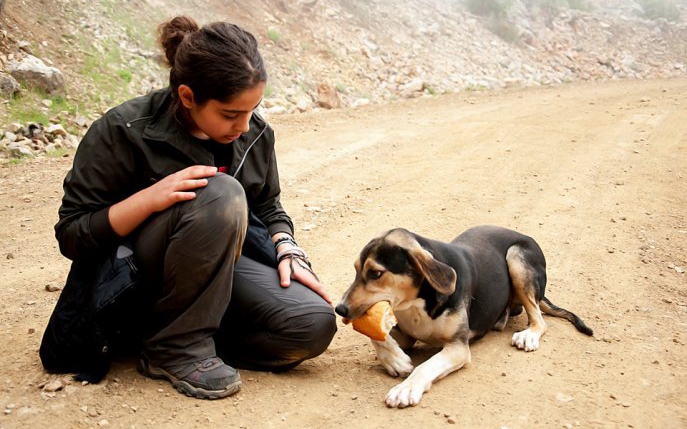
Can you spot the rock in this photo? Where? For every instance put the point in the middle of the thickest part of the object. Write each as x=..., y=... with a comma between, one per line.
x=56, y=129
x=9, y=86
x=562, y=397
x=327, y=97
x=12, y=137
x=52, y=288
x=54, y=386
x=36, y=74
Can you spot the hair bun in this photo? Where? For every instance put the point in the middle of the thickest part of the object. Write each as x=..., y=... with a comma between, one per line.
x=171, y=33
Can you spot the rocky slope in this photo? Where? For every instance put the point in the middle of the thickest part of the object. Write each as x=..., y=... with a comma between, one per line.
x=332, y=53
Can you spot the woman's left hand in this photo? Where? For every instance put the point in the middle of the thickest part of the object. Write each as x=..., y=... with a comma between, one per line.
x=298, y=269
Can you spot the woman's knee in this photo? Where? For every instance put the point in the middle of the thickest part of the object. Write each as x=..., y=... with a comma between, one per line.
x=223, y=201
x=315, y=332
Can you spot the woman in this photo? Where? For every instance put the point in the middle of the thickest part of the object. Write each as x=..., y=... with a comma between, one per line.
x=186, y=177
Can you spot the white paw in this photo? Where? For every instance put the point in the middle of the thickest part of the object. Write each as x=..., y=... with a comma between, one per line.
x=526, y=340
x=395, y=361
x=404, y=395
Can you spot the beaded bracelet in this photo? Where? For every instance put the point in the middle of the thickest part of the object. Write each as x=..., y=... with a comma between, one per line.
x=285, y=239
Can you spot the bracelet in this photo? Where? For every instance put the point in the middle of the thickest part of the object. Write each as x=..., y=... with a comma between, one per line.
x=292, y=251
x=285, y=239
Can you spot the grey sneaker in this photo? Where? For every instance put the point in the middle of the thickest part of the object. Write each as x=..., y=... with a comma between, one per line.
x=206, y=379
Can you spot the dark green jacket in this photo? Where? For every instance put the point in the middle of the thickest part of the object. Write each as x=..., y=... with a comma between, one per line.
x=138, y=143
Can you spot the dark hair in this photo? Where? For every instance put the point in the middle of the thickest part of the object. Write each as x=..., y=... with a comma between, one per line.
x=217, y=61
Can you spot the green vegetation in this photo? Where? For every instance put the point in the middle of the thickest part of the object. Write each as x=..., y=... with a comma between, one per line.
x=656, y=9
x=495, y=8
x=273, y=35
x=58, y=153
x=29, y=108
x=497, y=19
x=130, y=21
x=105, y=70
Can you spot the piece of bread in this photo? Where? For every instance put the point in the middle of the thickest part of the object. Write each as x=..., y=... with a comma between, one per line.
x=377, y=321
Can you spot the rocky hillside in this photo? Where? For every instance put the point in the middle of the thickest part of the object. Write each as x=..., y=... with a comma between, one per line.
x=64, y=62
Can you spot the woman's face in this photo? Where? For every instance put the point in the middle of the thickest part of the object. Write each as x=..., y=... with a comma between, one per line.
x=220, y=121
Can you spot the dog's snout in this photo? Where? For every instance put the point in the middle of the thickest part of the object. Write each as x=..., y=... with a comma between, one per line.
x=341, y=310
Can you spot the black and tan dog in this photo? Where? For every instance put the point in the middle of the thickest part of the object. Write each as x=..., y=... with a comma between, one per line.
x=446, y=294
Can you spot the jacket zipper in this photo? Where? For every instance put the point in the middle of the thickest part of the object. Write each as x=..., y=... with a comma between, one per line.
x=245, y=154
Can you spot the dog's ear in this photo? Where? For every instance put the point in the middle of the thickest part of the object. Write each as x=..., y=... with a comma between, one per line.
x=439, y=275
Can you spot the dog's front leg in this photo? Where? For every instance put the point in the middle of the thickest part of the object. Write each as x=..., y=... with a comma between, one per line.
x=392, y=357
x=451, y=358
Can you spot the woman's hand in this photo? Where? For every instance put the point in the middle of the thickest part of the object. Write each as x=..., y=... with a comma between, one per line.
x=127, y=215
x=178, y=187
x=295, y=266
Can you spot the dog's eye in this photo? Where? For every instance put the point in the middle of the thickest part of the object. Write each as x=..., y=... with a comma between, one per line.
x=374, y=274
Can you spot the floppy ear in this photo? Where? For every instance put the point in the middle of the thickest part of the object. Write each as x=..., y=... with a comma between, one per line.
x=439, y=275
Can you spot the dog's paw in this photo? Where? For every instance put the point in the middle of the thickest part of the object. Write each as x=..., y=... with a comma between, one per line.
x=526, y=340
x=394, y=360
x=404, y=395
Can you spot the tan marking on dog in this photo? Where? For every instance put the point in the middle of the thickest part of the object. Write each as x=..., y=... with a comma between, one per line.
x=364, y=292
x=524, y=293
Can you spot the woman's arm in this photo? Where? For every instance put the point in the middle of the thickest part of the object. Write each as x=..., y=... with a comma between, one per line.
x=126, y=215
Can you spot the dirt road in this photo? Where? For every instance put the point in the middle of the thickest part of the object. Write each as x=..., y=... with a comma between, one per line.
x=595, y=172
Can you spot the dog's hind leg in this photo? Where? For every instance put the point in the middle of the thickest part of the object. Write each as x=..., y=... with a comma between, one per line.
x=526, y=288
x=503, y=319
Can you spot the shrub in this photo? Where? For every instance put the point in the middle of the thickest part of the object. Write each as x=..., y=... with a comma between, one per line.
x=487, y=7
x=655, y=9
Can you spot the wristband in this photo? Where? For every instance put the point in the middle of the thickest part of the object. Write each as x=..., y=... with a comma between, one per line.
x=285, y=239
x=292, y=251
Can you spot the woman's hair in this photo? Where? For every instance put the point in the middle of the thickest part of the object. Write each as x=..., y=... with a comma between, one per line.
x=217, y=61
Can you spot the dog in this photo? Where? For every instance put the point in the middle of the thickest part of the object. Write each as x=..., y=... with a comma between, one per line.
x=447, y=294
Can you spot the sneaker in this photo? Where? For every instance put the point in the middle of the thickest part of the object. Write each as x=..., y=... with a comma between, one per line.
x=209, y=378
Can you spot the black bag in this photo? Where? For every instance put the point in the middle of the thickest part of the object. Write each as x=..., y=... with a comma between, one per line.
x=96, y=315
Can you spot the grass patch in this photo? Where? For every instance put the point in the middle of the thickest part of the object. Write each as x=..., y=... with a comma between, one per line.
x=28, y=108
x=273, y=35
x=656, y=9
x=487, y=7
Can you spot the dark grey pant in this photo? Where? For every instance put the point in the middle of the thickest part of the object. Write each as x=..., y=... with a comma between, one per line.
x=203, y=296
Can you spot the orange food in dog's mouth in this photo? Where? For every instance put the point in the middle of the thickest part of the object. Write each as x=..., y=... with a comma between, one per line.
x=377, y=321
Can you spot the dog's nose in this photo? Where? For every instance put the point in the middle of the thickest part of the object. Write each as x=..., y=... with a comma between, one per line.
x=341, y=310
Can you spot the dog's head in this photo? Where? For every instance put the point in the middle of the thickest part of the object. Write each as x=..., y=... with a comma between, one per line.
x=393, y=267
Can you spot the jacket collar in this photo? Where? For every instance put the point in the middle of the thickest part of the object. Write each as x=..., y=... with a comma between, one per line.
x=164, y=128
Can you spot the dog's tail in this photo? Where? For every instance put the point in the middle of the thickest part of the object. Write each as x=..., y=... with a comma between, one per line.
x=552, y=309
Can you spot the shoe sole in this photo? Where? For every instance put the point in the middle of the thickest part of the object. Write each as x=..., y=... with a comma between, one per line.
x=185, y=387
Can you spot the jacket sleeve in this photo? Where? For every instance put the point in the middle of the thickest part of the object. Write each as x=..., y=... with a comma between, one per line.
x=102, y=175
x=267, y=204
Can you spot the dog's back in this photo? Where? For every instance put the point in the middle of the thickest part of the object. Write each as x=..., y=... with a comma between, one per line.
x=486, y=246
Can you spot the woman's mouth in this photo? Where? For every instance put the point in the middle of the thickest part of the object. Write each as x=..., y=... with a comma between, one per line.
x=230, y=139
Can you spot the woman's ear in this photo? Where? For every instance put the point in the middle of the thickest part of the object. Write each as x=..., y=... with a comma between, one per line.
x=185, y=96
